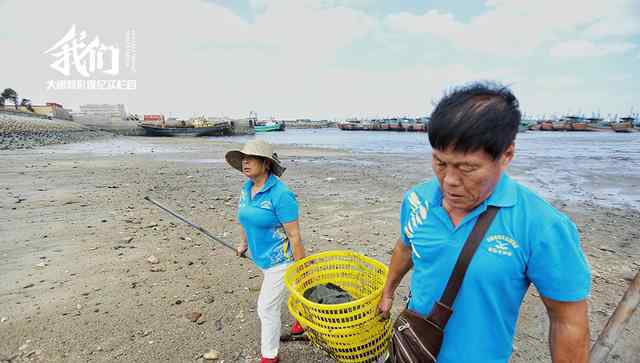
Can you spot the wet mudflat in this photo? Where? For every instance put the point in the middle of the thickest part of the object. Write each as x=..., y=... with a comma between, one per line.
x=79, y=282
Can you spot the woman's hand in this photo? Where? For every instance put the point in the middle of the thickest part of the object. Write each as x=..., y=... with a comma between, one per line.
x=241, y=250
x=293, y=233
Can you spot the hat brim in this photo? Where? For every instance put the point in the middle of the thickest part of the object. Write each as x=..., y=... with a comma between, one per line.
x=234, y=158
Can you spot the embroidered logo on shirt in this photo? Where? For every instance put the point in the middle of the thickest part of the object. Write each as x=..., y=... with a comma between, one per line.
x=266, y=205
x=419, y=211
x=243, y=199
x=502, y=245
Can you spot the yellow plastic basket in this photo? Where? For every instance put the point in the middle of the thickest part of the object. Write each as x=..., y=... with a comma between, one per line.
x=349, y=332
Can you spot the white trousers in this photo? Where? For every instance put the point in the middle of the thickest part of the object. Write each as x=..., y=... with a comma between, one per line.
x=272, y=294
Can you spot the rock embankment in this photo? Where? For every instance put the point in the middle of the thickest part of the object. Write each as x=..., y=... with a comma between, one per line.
x=23, y=132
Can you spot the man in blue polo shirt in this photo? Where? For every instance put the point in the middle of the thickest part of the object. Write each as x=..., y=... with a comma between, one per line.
x=472, y=132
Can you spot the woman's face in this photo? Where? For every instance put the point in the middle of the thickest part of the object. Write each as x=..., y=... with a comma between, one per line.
x=253, y=166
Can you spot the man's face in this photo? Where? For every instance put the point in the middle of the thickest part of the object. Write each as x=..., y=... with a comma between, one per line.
x=467, y=179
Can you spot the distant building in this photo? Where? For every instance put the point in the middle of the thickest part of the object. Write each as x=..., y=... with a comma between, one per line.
x=153, y=118
x=50, y=109
x=103, y=112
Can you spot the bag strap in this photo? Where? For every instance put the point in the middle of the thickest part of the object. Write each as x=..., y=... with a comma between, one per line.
x=442, y=310
x=464, y=259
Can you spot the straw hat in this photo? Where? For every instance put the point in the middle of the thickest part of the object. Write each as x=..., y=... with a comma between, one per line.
x=255, y=148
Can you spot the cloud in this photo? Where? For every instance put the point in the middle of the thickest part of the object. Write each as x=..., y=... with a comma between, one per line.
x=309, y=30
x=193, y=57
x=305, y=58
x=432, y=22
x=585, y=48
x=520, y=27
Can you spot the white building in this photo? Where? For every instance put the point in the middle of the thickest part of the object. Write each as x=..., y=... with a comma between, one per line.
x=104, y=112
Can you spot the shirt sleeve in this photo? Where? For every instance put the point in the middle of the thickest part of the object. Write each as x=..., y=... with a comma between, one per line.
x=405, y=211
x=286, y=207
x=557, y=266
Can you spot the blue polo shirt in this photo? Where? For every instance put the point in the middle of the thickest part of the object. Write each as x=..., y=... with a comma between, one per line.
x=262, y=218
x=528, y=242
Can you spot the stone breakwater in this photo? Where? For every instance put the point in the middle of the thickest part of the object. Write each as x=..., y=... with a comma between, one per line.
x=24, y=132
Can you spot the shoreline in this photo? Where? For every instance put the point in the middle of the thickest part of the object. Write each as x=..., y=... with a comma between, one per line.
x=77, y=286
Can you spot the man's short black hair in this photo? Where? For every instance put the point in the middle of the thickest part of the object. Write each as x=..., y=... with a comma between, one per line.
x=479, y=116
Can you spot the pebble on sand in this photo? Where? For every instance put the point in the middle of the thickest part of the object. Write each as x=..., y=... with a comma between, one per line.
x=193, y=316
x=153, y=260
x=211, y=355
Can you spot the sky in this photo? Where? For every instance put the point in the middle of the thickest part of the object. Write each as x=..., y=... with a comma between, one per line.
x=326, y=59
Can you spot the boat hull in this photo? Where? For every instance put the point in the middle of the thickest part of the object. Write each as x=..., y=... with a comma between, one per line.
x=622, y=127
x=269, y=128
x=216, y=130
x=383, y=127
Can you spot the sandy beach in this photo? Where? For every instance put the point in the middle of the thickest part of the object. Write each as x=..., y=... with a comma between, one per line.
x=77, y=236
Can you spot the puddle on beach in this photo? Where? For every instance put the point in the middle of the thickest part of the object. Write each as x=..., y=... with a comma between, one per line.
x=325, y=160
x=199, y=161
x=602, y=168
x=108, y=147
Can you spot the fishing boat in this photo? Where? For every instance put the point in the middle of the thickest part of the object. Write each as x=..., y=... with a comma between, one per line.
x=624, y=125
x=577, y=123
x=560, y=125
x=270, y=126
x=546, y=126
x=404, y=124
x=354, y=125
x=183, y=129
x=523, y=127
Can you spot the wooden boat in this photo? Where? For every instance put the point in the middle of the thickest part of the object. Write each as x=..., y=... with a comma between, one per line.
x=390, y=124
x=523, y=127
x=535, y=127
x=546, y=126
x=354, y=125
x=577, y=123
x=270, y=126
x=213, y=130
x=560, y=125
x=625, y=125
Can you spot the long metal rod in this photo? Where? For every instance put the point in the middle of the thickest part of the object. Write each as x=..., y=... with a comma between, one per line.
x=617, y=322
x=226, y=244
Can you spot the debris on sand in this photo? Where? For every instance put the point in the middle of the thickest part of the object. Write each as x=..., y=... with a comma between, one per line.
x=193, y=316
x=211, y=355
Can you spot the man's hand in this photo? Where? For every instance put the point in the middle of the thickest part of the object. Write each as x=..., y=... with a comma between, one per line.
x=384, y=307
x=400, y=264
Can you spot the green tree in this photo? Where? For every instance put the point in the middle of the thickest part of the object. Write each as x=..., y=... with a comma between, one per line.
x=10, y=94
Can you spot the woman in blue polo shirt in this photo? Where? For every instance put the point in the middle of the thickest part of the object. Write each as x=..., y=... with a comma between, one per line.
x=268, y=213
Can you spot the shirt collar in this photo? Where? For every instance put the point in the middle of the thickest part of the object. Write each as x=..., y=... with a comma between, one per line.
x=504, y=194
x=268, y=184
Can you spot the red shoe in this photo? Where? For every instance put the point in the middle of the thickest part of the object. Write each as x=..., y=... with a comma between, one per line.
x=297, y=329
x=296, y=333
x=269, y=360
